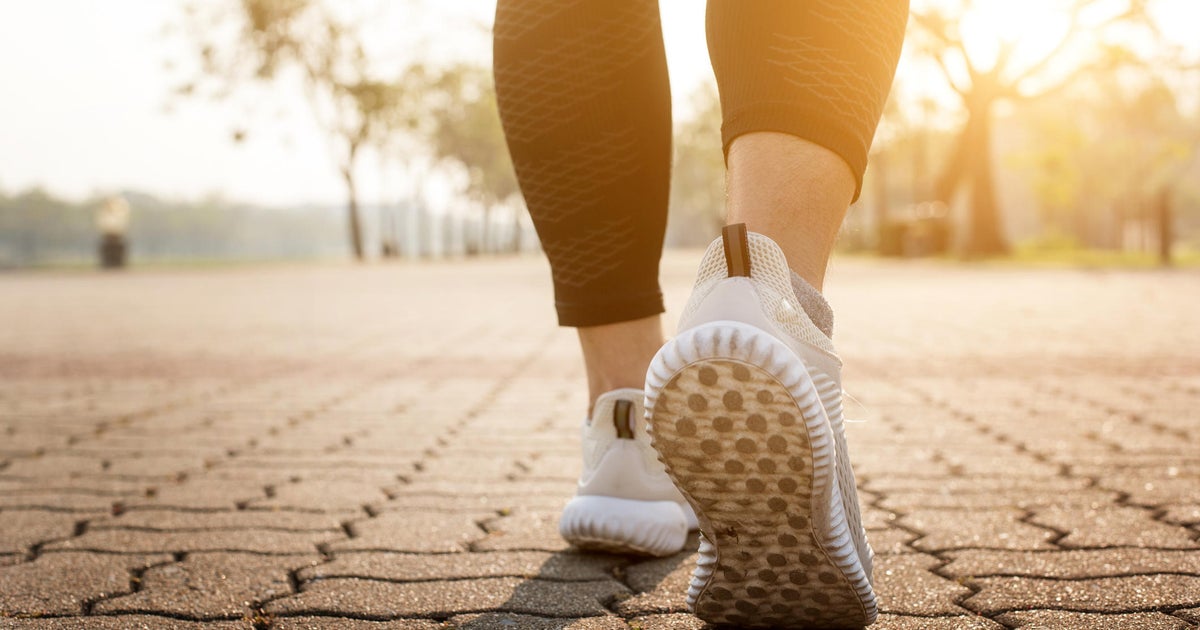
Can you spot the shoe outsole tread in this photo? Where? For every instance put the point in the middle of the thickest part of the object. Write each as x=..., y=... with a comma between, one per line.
x=739, y=425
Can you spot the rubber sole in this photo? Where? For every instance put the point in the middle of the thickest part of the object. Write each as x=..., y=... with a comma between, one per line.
x=624, y=526
x=738, y=423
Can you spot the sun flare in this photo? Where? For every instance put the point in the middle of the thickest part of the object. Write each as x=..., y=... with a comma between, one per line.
x=1033, y=28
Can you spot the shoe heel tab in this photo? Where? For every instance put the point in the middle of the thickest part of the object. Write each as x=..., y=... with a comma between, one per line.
x=737, y=250
x=623, y=419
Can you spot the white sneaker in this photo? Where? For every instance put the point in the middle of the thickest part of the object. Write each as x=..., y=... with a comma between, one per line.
x=745, y=408
x=625, y=502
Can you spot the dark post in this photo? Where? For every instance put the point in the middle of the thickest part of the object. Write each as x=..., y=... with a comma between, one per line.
x=113, y=222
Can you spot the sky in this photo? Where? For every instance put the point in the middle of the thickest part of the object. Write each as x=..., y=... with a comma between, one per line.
x=85, y=106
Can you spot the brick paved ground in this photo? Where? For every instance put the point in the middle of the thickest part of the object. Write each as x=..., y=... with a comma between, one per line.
x=303, y=447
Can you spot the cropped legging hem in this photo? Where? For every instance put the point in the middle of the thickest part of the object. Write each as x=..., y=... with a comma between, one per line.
x=604, y=309
x=818, y=125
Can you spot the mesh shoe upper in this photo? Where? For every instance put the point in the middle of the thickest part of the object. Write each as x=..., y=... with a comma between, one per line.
x=618, y=460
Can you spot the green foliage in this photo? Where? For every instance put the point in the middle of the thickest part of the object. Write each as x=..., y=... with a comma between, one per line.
x=698, y=174
x=1103, y=151
x=463, y=127
x=352, y=104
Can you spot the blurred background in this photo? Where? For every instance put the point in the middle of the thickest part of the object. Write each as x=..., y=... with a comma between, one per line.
x=181, y=132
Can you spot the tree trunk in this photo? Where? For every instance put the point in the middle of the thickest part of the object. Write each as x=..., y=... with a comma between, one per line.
x=1165, y=223
x=954, y=171
x=985, y=234
x=884, y=230
x=515, y=245
x=485, y=229
x=356, y=244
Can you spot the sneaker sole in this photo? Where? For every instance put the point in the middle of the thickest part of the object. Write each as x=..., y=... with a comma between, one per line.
x=624, y=526
x=738, y=423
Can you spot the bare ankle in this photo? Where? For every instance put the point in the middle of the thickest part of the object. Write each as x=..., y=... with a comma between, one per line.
x=617, y=355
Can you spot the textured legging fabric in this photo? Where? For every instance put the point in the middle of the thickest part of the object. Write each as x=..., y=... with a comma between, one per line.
x=585, y=102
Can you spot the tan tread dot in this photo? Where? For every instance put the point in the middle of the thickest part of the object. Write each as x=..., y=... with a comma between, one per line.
x=741, y=372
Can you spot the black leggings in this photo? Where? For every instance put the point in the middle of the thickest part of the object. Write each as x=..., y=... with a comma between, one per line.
x=586, y=105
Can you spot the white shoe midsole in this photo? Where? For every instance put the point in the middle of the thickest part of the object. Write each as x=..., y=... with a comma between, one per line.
x=653, y=527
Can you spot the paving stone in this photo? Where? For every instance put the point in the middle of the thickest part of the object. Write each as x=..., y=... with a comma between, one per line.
x=988, y=461
x=148, y=518
x=1182, y=514
x=333, y=410
x=53, y=465
x=1054, y=619
x=993, y=528
x=906, y=585
x=569, y=566
x=1136, y=592
x=203, y=493
x=342, y=623
x=957, y=486
x=210, y=585
x=496, y=503
x=672, y=621
x=892, y=540
x=61, y=583
x=282, y=474
x=524, y=529
x=566, y=467
x=388, y=465
x=417, y=532
x=156, y=466
x=141, y=541
x=388, y=600
x=1153, y=491
x=1070, y=564
x=1014, y=499
x=960, y=622
x=874, y=518
x=467, y=468
x=59, y=500
x=501, y=621
x=92, y=484
x=323, y=496
x=122, y=622
x=20, y=529
x=1111, y=526
x=661, y=585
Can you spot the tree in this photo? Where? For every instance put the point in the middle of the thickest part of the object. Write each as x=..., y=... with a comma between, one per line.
x=1148, y=146
x=260, y=41
x=1011, y=75
x=698, y=173
x=462, y=125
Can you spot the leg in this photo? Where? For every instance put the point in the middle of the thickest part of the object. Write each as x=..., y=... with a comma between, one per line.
x=583, y=94
x=584, y=97
x=617, y=355
x=792, y=190
x=746, y=401
x=802, y=87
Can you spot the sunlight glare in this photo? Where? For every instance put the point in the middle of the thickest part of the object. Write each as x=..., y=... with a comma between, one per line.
x=1032, y=27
